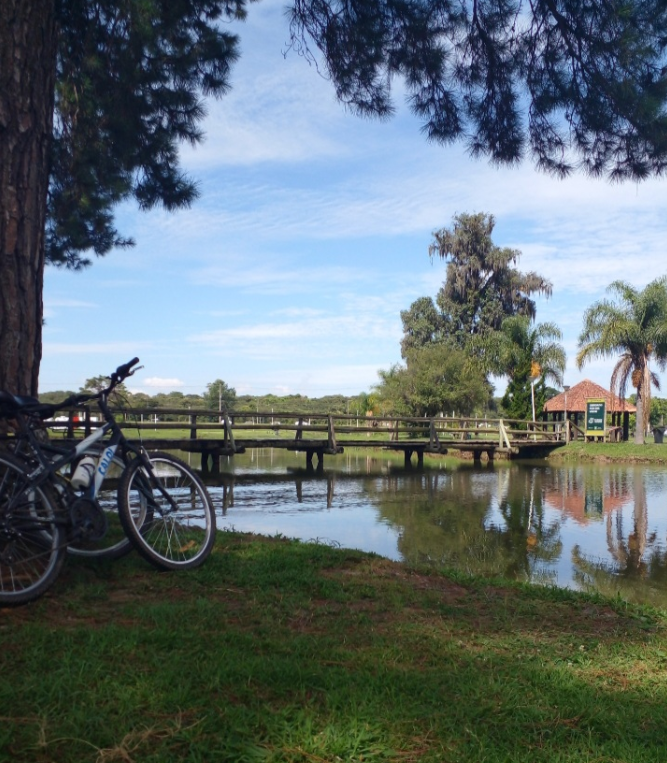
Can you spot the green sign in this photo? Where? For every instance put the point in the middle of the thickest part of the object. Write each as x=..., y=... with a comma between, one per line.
x=596, y=417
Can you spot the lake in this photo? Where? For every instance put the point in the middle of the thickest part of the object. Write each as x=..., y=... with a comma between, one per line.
x=587, y=527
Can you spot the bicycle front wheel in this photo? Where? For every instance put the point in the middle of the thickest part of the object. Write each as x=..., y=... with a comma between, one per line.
x=32, y=541
x=176, y=527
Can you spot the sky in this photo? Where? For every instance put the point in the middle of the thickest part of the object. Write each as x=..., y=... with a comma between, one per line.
x=311, y=234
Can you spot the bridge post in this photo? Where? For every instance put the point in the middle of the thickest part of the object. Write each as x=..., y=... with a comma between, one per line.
x=433, y=435
x=320, y=459
x=214, y=459
x=408, y=457
x=331, y=434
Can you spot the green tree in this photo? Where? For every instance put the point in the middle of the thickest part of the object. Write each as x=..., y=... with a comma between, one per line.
x=570, y=83
x=658, y=411
x=530, y=355
x=219, y=396
x=120, y=395
x=436, y=379
x=482, y=286
x=423, y=324
x=634, y=327
x=482, y=289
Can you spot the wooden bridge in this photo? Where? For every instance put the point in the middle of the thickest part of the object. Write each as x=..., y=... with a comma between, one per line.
x=214, y=434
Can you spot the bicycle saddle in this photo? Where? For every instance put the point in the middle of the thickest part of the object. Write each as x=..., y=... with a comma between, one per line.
x=10, y=404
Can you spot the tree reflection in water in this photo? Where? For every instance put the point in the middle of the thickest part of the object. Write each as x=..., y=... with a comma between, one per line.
x=590, y=527
x=636, y=569
x=509, y=522
x=448, y=520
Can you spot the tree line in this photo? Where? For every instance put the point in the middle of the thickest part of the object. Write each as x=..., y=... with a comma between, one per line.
x=219, y=396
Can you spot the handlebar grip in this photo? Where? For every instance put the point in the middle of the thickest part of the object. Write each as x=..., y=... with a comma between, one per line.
x=124, y=370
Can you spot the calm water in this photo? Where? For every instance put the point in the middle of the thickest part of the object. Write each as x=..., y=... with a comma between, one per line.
x=591, y=527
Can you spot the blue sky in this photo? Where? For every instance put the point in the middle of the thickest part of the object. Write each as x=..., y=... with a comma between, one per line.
x=311, y=234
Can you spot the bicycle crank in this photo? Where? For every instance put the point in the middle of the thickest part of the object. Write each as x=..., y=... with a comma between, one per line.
x=88, y=520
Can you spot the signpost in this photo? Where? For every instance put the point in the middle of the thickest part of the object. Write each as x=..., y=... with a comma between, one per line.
x=596, y=417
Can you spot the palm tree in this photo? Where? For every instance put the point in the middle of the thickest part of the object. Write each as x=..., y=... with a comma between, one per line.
x=526, y=353
x=634, y=327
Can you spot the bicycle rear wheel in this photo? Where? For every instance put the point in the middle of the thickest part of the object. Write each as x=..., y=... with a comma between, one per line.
x=178, y=529
x=32, y=542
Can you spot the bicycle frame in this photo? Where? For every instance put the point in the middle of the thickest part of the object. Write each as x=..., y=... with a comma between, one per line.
x=48, y=467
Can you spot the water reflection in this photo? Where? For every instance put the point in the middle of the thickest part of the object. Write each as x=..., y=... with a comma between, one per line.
x=593, y=528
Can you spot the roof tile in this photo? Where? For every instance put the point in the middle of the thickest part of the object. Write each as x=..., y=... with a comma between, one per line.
x=580, y=393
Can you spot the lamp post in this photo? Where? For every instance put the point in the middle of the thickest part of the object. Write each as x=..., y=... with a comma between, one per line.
x=566, y=388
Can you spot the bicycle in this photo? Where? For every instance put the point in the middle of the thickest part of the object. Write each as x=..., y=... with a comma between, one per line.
x=162, y=505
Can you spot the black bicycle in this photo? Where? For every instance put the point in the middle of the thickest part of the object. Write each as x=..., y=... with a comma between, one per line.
x=98, y=497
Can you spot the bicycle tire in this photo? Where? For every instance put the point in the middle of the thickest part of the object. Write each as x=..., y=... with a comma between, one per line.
x=175, y=536
x=115, y=543
x=32, y=540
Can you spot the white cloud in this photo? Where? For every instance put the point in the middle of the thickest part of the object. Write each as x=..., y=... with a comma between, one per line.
x=156, y=381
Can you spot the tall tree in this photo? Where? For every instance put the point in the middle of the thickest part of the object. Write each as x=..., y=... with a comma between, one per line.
x=219, y=396
x=634, y=327
x=28, y=43
x=482, y=286
x=95, y=96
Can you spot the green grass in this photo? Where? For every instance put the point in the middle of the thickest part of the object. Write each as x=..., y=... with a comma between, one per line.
x=277, y=650
x=626, y=452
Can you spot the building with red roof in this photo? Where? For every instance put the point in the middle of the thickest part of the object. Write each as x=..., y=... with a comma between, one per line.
x=571, y=405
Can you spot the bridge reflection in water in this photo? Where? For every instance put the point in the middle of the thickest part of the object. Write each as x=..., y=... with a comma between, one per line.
x=594, y=528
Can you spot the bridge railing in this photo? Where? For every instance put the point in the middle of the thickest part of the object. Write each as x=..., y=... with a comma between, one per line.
x=259, y=427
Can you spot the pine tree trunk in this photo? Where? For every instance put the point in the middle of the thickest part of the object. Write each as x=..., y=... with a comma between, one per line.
x=27, y=81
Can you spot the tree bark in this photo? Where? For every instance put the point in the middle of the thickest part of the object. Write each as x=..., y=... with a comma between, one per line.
x=639, y=418
x=27, y=83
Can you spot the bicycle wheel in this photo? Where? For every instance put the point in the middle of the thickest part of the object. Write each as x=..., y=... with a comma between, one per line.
x=115, y=543
x=32, y=541
x=178, y=531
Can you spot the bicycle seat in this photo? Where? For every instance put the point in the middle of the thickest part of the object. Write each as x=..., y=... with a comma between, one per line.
x=10, y=404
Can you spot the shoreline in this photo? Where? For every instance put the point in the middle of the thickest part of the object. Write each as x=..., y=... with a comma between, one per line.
x=608, y=453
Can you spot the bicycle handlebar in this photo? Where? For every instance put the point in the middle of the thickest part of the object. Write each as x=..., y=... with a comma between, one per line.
x=122, y=372
x=118, y=376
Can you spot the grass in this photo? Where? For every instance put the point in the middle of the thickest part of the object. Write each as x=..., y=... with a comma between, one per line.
x=280, y=651
x=626, y=452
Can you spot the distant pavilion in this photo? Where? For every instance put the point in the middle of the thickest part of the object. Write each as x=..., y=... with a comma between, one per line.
x=571, y=404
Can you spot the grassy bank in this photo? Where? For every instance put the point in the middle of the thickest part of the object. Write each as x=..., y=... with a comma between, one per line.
x=282, y=651
x=626, y=452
